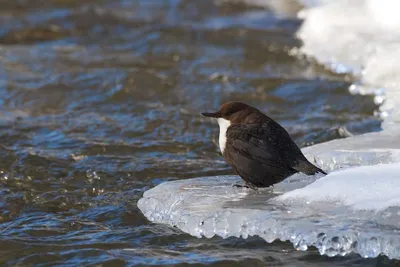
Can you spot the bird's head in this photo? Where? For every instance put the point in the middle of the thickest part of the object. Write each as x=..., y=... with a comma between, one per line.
x=234, y=112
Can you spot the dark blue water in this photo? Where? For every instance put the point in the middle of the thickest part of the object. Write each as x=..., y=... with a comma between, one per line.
x=101, y=100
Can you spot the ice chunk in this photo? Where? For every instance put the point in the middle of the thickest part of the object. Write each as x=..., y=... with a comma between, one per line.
x=210, y=206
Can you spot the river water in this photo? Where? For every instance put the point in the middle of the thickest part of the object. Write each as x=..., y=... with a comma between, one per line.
x=101, y=100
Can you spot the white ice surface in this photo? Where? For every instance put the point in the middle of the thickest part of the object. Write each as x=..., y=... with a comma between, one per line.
x=356, y=208
x=374, y=188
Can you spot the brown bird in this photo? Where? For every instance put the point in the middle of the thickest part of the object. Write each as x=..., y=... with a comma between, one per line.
x=259, y=149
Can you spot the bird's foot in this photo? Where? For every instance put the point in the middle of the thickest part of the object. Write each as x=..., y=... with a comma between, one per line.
x=251, y=186
x=238, y=185
x=247, y=185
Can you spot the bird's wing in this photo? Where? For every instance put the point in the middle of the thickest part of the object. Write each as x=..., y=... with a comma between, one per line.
x=290, y=153
x=246, y=146
x=280, y=141
x=269, y=144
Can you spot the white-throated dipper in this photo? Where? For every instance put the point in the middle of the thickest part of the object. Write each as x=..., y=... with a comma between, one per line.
x=259, y=149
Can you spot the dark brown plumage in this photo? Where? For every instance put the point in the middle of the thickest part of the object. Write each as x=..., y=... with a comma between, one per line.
x=258, y=148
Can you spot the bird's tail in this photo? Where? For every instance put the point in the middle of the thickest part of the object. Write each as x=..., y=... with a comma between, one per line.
x=308, y=168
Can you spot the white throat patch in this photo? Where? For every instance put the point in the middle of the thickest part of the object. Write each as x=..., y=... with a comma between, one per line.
x=223, y=127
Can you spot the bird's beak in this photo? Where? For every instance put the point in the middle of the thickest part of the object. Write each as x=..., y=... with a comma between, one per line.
x=213, y=115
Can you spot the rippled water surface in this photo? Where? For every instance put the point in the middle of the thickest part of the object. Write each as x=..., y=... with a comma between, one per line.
x=101, y=100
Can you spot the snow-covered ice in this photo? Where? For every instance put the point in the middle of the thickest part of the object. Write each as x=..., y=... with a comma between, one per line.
x=356, y=208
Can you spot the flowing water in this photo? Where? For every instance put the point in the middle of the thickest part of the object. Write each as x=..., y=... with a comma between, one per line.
x=101, y=100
